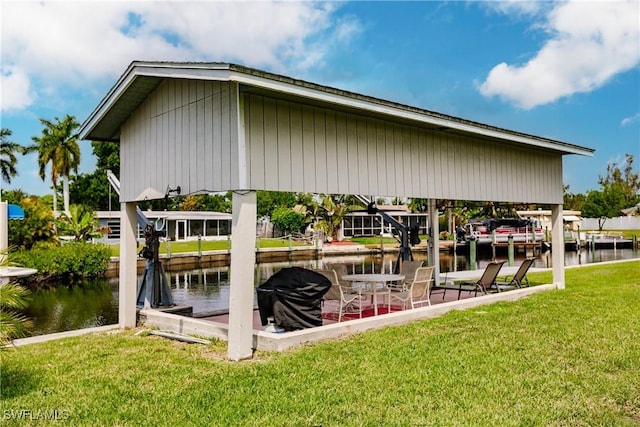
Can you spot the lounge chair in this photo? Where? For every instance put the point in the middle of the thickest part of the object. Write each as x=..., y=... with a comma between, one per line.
x=484, y=283
x=349, y=299
x=518, y=280
x=417, y=292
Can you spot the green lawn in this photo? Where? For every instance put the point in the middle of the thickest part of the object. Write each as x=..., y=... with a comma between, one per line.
x=211, y=245
x=568, y=357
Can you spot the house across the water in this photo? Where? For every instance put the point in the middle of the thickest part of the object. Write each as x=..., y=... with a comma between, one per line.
x=179, y=225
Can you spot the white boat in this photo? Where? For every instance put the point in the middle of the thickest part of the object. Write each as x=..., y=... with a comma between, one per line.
x=607, y=240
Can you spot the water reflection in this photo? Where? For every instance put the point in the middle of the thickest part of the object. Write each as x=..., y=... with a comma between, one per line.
x=95, y=303
x=67, y=308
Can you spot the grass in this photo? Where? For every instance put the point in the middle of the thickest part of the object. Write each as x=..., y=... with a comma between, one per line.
x=211, y=245
x=568, y=357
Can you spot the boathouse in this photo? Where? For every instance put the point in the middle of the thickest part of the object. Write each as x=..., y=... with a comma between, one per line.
x=210, y=127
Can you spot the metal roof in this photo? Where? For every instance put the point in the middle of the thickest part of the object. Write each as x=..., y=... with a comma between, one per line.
x=142, y=78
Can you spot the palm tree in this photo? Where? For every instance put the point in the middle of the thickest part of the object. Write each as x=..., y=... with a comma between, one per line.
x=8, y=159
x=13, y=298
x=332, y=210
x=58, y=146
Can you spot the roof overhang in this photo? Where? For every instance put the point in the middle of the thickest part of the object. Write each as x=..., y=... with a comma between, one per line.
x=142, y=78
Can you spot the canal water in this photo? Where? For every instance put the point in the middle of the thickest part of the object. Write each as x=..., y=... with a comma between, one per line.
x=95, y=302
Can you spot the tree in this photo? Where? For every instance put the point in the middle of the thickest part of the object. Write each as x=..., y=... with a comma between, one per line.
x=331, y=212
x=79, y=222
x=287, y=220
x=619, y=190
x=267, y=201
x=206, y=202
x=58, y=147
x=625, y=183
x=38, y=225
x=93, y=189
x=594, y=205
x=8, y=159
x=572, y=201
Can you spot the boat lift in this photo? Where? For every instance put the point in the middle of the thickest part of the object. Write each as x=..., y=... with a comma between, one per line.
x=153, y=288
x=408, y=235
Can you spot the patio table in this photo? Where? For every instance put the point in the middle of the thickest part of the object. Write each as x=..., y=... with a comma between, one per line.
x=373, y=280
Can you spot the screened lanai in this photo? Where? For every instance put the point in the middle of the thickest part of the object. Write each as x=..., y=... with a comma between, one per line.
x=210, y=127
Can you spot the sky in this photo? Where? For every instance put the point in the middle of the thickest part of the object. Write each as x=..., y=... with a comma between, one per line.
x=566, y=70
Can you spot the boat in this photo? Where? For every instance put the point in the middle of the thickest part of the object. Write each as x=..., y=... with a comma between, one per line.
x=607, y=240
x=497, y=231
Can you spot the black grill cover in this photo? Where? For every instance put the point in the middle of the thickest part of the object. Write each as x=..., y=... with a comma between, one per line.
x=293, y=297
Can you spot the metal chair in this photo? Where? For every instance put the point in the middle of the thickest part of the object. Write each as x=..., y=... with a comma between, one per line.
x=408, y=269
x=417, y=292
x=349, y=299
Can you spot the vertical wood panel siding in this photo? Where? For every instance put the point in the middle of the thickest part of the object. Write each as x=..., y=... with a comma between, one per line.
x=284, y=146
x=271, y=156
x=331, y=130
x=310, y=149
x=184, y=133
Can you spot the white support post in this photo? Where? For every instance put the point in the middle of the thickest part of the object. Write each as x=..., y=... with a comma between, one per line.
x=557, y=246
x=243, y=259
x=434, y=240
x=128, y=265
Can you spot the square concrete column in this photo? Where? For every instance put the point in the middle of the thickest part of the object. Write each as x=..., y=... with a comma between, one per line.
x=557, y=246
x=241, y=274
x=128, y=265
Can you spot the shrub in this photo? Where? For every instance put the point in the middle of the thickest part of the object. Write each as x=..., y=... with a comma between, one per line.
x=287, y=220
x=71, y=261
x=36, y=227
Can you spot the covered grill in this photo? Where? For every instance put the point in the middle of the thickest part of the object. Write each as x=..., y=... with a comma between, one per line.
x=293, y=298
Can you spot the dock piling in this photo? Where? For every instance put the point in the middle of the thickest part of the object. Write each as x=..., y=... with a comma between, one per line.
x=511, y=250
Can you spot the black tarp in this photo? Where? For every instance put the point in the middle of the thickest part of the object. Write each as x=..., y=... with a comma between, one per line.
x=493, y=224
x=293, y=297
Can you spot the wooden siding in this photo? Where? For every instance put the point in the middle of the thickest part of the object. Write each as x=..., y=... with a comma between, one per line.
x=300, y=148
x=185, y=133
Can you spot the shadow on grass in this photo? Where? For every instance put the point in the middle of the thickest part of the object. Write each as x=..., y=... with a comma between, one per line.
x=16, y=381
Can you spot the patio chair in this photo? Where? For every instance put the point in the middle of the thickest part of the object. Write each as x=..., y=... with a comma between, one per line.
x=417, y=292
x=341, y=271
x=519, y=279
x=484, y=283
x=408, y=270
x=349, y=299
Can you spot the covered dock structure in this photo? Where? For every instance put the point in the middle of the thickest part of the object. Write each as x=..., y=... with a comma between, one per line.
x=211, y=127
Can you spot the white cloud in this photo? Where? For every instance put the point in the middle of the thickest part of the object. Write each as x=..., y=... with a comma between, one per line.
x=590, y=43
x=56, y=43
x=15, y=89
x=515, y=7
x=630, y=120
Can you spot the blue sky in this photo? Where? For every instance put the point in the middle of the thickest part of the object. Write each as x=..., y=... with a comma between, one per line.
x=565, y=70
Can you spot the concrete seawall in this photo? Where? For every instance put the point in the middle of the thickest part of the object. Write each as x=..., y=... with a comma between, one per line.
x=191, y=260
